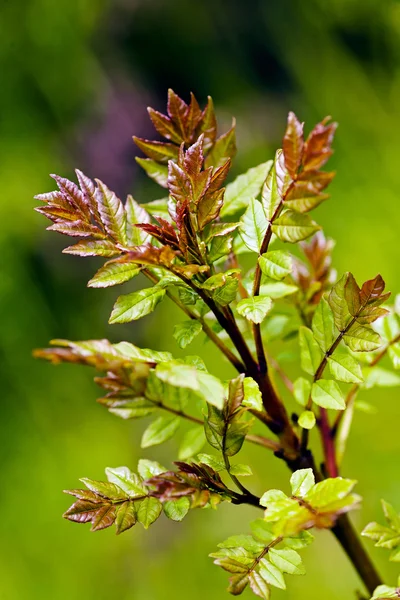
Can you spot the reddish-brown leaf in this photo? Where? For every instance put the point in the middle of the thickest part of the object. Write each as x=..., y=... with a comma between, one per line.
x=164, y=126
x=209, y=207
x=193, y=118
x=89, y=192
x=159, y=151
x=77, y=229
x=73, y=195
x=178, y=183
x=293, y=144
x=318, y=145
x=178, y=111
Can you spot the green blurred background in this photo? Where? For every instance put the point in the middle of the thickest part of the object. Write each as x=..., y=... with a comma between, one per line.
x=76, y=76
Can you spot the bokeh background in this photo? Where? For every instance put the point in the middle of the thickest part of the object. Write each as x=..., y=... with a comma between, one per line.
x=76, y=77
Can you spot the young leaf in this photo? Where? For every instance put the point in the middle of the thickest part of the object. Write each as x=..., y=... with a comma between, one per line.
x=154, y=170
x=148, y=511
x=344, y=367
x=112, y=212
x=327, y=393
x=274, y=187
x=126, y=480
x=149, y=468
x=310, y=353
x=159, y=431
x=287, y=561
x=293, y=227
x=259, y=586
x=245, y=187
x=193, y=441
x=293, y=144
x=136, y=305
x=114, y=272
x=276, y=264
x=271, y=574
x=252, y=394
x=176, y=510
x=185, y=332
x=302, y=390
x=307, y=419
x=125, y=517
x=323, y=325
x=241, y=470
x=255, y=309
x=302, y=481
x=362, y=339
x=253, y=225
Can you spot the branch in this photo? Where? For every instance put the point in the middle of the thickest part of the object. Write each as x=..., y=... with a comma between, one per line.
x=206, y=328
x=351, y=544
x=259, y=440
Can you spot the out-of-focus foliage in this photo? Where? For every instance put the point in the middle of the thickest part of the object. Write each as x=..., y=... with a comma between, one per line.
x=73, y=81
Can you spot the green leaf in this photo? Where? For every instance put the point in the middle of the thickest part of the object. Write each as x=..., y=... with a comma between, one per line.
x=208, y=387
x=255, y=309
x=362, y=339
x=287, y=561
x=302, y=390
x=271, y=574
x=148, y=511
x=323, y=325
x=244, y=188
x=114, y=273
x=211, y=461
x=220, y=246
x=159, y=431
x=262, y=531
x=325, y=494
x=299, y=541
x=276, y=264
x=293, y=227
x=344, y=367
x=327, y=393
x=185, y=332
x=136, y=214
x=310, y=353
x=242, y=541
x=154, y=170
x=226, y=294
x=193, y=441
x=105, y=489
x=379, y=377
x=259, y=586
x=307, y=419
x=394, y=355
x=252, y=394
x=136, y=305
x=253, y=226
x=176, y=510
x=302, y=481
x=149, y=468
x=241, y=470
x=338, y=303
x=384, y=592
x=125, y=517
x=126, y=480
x=277, y=289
